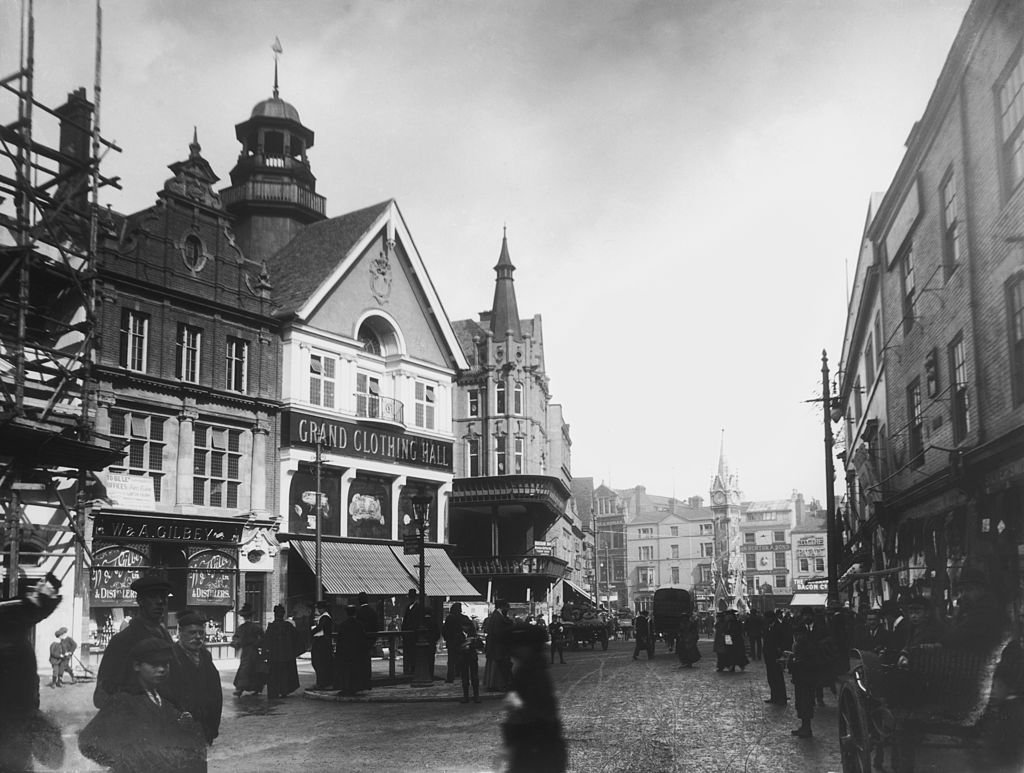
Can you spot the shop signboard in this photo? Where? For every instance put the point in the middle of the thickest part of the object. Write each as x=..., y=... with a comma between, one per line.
x=148, y=528
x=211, y=579
x=113, y=572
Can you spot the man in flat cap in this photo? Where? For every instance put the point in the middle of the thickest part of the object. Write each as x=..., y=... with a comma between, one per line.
x=194, y=683
x=115, y=671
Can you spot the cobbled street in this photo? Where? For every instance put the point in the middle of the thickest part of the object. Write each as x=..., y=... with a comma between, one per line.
x=620, y=716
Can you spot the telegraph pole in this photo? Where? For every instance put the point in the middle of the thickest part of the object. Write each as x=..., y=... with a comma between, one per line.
x=830, y=488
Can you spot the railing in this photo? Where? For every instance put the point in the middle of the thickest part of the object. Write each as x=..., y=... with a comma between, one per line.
x=382, y=408
x=491, y=566
x=275, y=191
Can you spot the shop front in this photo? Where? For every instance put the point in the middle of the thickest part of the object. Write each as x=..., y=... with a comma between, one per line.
x=198, y=556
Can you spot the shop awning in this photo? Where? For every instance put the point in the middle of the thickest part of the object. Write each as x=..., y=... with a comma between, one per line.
x=443, y=577
x=348, y=568
x=573, y=592
x=808, y=600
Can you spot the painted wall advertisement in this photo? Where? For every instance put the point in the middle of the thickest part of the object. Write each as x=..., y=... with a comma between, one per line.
x=211, y=579
x=113, y=572
x=302, y=503
x=369, y=508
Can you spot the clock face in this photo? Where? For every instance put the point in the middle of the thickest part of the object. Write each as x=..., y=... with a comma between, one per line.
x=718, y=497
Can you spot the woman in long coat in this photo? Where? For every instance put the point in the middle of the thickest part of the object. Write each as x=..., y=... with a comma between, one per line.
x=498, y=663
x=281, y=644
x=351, y=673
x=686, y=642
x=252, y=668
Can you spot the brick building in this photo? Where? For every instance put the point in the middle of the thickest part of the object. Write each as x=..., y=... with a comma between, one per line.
x=935, y=467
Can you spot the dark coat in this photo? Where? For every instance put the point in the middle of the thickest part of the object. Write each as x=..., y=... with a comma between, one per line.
x=131, y=734
x=686, y=642
x=532, y=732
x=195, y=688
x=115, y=672
x=353, y=657
x=735, y=653
x=282, y=645
x=778, y=638
x=252, y=668
x=642, y=629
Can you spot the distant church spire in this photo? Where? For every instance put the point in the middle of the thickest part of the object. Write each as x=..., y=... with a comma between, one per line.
x=505, y=310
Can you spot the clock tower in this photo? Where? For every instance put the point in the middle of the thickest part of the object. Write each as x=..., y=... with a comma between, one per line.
x=725, y=505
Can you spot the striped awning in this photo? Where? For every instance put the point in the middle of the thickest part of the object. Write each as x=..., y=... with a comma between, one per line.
x=348, y=568
x=443, y=577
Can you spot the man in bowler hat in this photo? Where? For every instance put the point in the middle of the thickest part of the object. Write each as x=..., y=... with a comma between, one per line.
x=115, y=671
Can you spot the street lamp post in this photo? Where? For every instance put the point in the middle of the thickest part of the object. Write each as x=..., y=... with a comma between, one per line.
x=423, y=672
x=318, y=562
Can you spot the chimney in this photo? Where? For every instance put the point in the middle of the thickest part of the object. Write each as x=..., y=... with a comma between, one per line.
x=798, y=506
x=75, y=139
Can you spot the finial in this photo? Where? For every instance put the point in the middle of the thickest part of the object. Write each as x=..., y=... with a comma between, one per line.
x=278, y=50
x=194, y=147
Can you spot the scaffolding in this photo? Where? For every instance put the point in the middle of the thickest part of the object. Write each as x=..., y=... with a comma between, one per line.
x=49, y=224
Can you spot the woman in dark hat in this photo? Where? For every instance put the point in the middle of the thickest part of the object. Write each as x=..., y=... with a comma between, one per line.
x=281, y=643
x=686, y=641
x=252, y=667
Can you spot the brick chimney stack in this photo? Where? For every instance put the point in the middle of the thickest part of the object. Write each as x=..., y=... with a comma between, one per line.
x=75, y=140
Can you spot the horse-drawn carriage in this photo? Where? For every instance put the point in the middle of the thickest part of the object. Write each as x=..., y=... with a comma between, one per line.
x=585, y=624
x=891, y=705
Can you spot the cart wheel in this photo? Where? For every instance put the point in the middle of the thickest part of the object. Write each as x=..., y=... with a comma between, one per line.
x=854, y=734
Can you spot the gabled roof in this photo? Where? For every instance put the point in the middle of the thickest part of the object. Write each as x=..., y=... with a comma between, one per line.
x=306, y=270
x=299, y=268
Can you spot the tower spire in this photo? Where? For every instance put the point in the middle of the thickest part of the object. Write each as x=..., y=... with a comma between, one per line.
x=505, y=310
x=723, y=467
x=277, y=49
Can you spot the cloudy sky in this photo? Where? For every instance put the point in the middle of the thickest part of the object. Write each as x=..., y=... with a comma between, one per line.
x=684, y=183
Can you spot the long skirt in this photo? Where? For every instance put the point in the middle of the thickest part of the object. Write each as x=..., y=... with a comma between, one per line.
x=496, y=674
x=251, y=674
x=283, y=678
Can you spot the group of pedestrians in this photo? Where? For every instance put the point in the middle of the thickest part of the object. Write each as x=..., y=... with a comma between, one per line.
x=342, y=657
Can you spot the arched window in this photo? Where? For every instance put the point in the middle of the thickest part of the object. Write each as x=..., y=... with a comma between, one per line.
x=378, y=336
x=369, y=340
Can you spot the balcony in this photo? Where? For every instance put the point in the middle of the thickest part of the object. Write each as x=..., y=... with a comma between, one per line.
x=385, y=410
x=274, y=192
x=511, y=566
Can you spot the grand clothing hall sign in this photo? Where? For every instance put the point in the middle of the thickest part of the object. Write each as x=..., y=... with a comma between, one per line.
x=343, y=437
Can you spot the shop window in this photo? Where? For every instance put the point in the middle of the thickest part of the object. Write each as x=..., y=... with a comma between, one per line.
x=237, y=364
x=216, y=473
x=424, y=405
x=134, y=340
x=144, y=434
x=322, y=379
x=189, y=347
